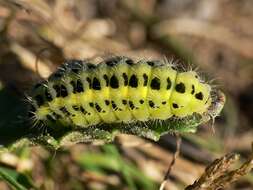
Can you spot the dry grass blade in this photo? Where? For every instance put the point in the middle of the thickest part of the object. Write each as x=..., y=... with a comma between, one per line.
x=175, y=155
x=217, y=174
x=205, y=30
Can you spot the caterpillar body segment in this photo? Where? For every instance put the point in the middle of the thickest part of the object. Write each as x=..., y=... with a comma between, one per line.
x=162, y=82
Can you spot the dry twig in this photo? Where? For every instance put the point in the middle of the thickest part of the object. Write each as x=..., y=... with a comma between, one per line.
x=217, y=174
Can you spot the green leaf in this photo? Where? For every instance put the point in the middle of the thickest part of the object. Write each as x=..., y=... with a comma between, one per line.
x=112, y=160
x=17, y=180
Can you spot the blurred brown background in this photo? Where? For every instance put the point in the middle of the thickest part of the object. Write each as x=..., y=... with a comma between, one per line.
x=215, y=36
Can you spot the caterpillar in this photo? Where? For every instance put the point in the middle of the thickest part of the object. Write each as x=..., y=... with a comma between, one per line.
x=118, y=90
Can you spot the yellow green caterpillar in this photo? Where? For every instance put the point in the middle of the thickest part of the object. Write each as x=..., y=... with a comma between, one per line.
x=86, y=102
x=118, y=90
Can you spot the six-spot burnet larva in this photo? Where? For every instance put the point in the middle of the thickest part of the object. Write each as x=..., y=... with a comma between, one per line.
x=118, y=90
